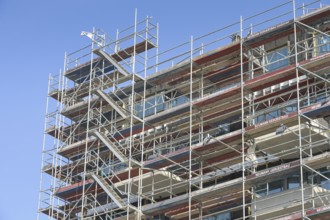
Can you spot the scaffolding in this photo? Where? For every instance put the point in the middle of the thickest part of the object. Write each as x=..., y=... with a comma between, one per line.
x=233, y=124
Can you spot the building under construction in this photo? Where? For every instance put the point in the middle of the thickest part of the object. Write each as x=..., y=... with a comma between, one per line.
x=233, y=124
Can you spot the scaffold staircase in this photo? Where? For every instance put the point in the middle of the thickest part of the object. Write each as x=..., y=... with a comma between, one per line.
x=112, y=103
x=106, y=56
x=112, y=147
x=109, y=190
x=115, y=150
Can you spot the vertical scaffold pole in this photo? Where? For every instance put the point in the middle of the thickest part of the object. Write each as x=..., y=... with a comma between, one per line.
x=131, y=118
x=298, y=110
x=157, y=47
x=43, y=149
x=87, y=129
x=190, y=119
x=242, y=115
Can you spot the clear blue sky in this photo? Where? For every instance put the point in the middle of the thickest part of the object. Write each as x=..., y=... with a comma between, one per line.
x=34, y=36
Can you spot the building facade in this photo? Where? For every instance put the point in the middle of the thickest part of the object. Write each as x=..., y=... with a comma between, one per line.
x=230, y=125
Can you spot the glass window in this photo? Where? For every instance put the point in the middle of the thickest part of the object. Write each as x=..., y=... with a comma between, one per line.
x=223, y=129
x=138, y=109
x=260, y=118
x=149, y=106
x=160, y=103
x=291, y=108
x=270, y=188
x=179, y=101
x=273, y=114
x=275, y=187
x=222, y=216
x=294, y=181
x=324, y=182
x=277, y=59
x=311, y=178
x=321, y=97
x=324, y=44
x=152, y=106
x=261, y=190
